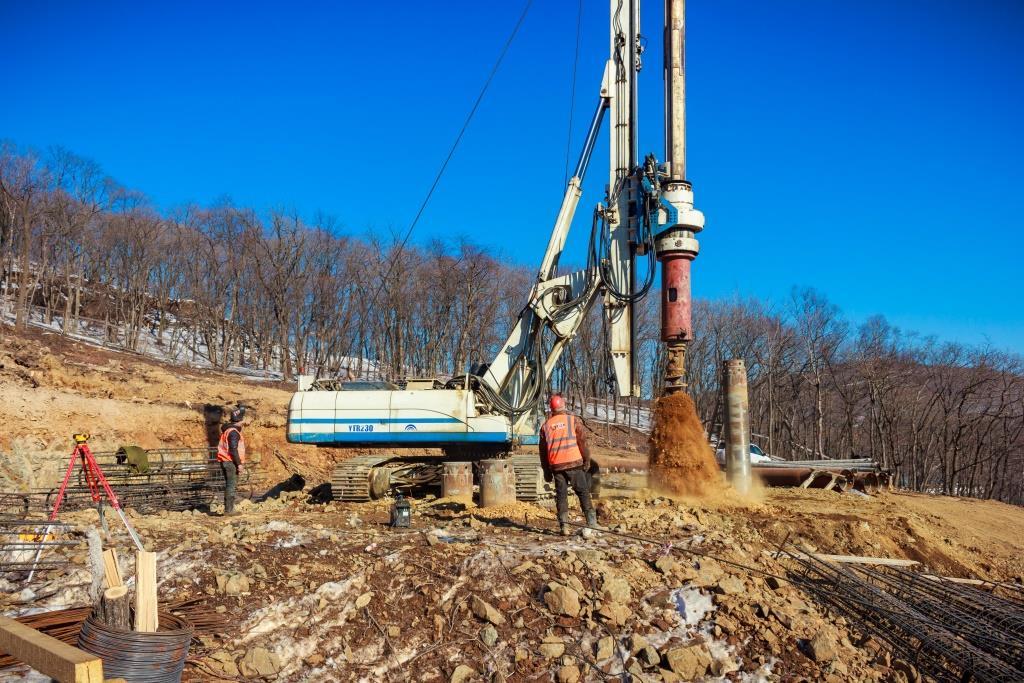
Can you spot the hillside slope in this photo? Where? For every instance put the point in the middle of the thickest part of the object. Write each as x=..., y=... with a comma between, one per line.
x=53, y=387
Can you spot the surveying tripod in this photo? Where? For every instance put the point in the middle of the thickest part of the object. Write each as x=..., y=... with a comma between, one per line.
x=96, y=480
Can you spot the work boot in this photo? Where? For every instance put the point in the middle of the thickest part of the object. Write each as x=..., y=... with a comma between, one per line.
x=592, y=519
x=563, y=525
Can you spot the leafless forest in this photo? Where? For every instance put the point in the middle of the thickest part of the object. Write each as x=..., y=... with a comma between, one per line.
x=231, y=287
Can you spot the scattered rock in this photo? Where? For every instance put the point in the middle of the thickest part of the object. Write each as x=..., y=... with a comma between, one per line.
x=562, y=600
x=636, y=643
x=553, y=647
x=721, y=667
x=616, y=589
x=821, y=648
x=726, y=624
x=525, y=566
x=486, y=612
x=259, y=662
x=461, y=674
x=648, y=656
x=223, y=663
x=314, y=660
x=689, y=662
x=569, y=674
x=489, y=635
x=605, y=648
x=730, y=585
x=615, y=613
x=232, y=583
x=665, y=564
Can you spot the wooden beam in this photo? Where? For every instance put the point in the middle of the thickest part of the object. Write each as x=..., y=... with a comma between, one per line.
x=111, y=568
x=48, y=655
x=851, y=559
x=966, y=582
x=145, y=591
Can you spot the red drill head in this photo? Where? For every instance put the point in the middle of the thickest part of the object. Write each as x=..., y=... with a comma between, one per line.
x=556, y=403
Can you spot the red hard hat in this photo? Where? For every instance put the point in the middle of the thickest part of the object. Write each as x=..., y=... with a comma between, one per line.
x=557, y=402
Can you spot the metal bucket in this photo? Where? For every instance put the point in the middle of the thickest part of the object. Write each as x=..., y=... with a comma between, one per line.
x=457, y=481
x=497, y=483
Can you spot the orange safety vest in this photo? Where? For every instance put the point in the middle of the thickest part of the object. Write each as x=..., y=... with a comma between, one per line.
x=223, y=452
x=560, y=438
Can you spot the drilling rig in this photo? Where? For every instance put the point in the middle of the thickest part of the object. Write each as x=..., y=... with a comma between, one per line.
x=647, y=213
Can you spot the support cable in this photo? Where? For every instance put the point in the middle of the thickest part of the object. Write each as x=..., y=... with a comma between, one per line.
x=451, y=151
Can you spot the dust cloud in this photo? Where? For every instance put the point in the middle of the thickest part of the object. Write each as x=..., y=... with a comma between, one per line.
x=681, y=460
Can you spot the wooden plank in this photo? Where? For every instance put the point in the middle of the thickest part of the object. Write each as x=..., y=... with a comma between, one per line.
x=111, y=568
x=854, y=559
x=48, y=655
x=966, y=582
x=145, y=591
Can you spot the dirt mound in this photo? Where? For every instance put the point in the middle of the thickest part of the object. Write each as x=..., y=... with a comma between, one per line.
x=682, y=462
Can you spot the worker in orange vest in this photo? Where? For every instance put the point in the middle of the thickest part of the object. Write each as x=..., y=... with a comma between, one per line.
x=231, y=455
x=564, y=456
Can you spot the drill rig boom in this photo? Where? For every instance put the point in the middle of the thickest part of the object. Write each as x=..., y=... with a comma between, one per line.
x=647, y=211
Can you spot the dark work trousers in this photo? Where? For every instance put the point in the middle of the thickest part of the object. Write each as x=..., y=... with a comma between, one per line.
x=230, y=484
x=579, y=479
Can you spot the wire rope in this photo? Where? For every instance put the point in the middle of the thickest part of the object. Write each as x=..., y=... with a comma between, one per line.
x=451, y=151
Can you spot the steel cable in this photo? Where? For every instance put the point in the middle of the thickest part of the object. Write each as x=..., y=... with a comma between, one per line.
x=451, y=151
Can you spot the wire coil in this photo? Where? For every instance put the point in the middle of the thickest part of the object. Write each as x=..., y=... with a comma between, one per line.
x=157, y=657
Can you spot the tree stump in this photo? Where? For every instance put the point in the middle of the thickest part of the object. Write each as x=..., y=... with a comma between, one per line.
x=114, y=608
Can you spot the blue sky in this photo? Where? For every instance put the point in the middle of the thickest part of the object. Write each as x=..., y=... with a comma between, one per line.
x=869, y=149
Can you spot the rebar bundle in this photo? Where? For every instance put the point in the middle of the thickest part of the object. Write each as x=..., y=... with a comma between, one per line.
x=25, y=544
x=173, y=479
x=947, y=630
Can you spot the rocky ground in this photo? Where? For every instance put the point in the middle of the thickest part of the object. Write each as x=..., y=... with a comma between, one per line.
x=325, y=592
x=328, y=592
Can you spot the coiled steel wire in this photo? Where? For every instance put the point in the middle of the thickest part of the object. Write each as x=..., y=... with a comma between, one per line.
x=157, y=657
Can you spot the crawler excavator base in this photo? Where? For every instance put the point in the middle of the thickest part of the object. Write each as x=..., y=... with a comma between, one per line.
x=371, y=477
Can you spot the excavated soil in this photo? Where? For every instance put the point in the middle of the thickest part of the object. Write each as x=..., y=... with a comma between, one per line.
x=681, y=461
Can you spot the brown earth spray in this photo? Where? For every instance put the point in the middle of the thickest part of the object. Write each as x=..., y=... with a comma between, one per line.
x=682, y=462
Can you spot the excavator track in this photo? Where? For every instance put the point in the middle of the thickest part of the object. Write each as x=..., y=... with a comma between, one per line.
x=367, y=477
x=351, y=480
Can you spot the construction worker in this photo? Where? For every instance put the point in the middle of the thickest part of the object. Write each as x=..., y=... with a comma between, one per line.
x=231, y=455
x=565, y=458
